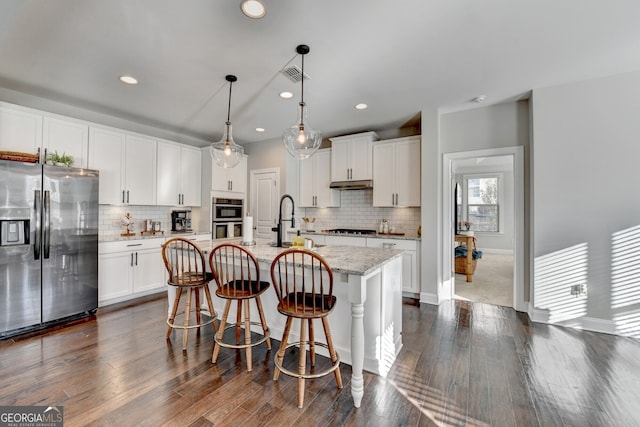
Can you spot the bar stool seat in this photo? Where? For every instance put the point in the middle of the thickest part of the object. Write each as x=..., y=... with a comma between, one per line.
x=237, y=276
x=303, y=282
x=185, y=264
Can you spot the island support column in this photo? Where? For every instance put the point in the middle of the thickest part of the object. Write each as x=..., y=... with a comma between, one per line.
x=357, y=297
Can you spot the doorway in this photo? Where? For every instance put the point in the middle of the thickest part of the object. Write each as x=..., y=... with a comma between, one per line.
x=265, y=190
x=503, y=245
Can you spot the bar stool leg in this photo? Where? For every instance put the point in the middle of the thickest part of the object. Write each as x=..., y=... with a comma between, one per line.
x=220, y=333
x=174, y=311
x=187, y=312
x=332, y=352
x=212, y=311
x=247, y=334
x=238, y=321
x=262, y=320
x=302, y=363
x=283, y=346
x=312, y=347
x=198, y=321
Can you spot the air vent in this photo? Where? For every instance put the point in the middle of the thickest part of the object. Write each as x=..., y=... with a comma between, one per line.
x=294, y=74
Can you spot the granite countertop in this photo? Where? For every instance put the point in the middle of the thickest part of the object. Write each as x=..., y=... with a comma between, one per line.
x=138, y=236
x=342, y=259
x=407, y=236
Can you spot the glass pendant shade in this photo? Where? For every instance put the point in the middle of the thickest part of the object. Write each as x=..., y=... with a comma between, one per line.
x=301, y=140
x=226, y=153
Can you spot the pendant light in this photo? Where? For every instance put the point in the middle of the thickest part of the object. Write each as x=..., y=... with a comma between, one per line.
x=301, y=140
x=226, y=152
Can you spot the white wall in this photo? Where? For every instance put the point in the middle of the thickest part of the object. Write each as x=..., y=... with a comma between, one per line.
x=586, y=209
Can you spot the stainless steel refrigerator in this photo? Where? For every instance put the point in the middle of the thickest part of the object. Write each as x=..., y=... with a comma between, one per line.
x=48, y=245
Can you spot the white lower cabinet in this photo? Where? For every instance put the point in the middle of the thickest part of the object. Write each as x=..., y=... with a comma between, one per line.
x=410, y=261
x=128, y=269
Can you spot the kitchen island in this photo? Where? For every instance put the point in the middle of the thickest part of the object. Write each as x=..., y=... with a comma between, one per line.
x=368, y=288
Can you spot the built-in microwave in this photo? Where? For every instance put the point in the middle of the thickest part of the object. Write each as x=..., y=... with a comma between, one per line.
x=227, y=209
x=226, y=229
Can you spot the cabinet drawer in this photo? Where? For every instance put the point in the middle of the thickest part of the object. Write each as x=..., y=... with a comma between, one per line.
x=407, y=245
x=129, y=245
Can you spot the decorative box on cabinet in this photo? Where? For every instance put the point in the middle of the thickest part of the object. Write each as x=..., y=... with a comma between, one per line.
x=178, y=175
x=396, y=172
x=351, y=157
x=128, y=269
x=127, y=165
x=314, y=180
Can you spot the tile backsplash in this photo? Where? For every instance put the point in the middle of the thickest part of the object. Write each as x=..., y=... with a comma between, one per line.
x=111, y=218
x=356, y=211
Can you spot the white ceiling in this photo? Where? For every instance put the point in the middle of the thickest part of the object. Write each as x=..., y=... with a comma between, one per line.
x=400, y=57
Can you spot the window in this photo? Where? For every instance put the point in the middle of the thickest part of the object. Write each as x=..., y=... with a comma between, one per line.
x=483, y=198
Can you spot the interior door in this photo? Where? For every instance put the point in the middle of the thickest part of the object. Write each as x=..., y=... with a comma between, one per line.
x=265, y=188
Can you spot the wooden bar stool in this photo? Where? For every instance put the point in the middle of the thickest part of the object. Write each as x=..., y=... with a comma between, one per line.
x=237, y=275
x=185, y=264
x=303, y=282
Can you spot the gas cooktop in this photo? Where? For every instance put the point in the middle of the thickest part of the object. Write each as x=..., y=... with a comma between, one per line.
x=351, y=231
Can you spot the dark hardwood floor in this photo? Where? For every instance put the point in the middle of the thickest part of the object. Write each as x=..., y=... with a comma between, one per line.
x=462, y=364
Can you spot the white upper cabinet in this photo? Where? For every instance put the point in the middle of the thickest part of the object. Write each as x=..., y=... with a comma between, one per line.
x=178, y=175
x=351, y=157
x=20, y=130
x=232, y=180
x=396, y=172
x=314, y=180
x=127, y=165
x=66, y=137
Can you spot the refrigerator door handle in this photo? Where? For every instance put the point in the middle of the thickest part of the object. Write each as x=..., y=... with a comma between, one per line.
x=37, y=206
x=46, y=235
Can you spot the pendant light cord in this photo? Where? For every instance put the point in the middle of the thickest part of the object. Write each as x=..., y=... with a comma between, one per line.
x=302, y=95
x=229, y=108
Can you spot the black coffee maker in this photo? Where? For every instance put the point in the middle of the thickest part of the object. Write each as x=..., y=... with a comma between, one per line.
x=181, y=221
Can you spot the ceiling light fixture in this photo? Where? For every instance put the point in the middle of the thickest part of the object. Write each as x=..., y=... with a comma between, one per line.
x=480, y=98
x=226, y=152
x=286, y=95
x=253, y=9
x=130, y=80
x=259, y=129
x=360, y=106
x=301, y=140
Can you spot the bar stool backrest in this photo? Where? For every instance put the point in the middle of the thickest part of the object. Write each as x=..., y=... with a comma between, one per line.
x=184, y=261
x=303, y=282
x=235, y=270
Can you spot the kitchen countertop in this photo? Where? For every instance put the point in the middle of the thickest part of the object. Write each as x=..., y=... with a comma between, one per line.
x=138, y=236
x=342, y=259
x=406, y=236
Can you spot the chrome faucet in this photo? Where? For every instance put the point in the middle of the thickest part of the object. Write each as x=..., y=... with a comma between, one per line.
x=278, y=228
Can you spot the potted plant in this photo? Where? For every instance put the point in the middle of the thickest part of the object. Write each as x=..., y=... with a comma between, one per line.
x=59, y=160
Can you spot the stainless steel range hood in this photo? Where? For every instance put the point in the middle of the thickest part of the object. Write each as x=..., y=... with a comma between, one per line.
x=352, y=185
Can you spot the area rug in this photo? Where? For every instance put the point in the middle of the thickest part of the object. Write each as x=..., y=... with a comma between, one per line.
x=492, y=281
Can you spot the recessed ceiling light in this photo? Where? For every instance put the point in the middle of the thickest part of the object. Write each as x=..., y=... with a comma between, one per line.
x=129, y=80
x=253, y=9
x=286, y=95
x=480, y=98
x=361, y=106
x=259, y=129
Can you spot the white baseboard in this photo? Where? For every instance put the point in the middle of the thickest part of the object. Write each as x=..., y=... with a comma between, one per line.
x=429, y=298
x=592, y=324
